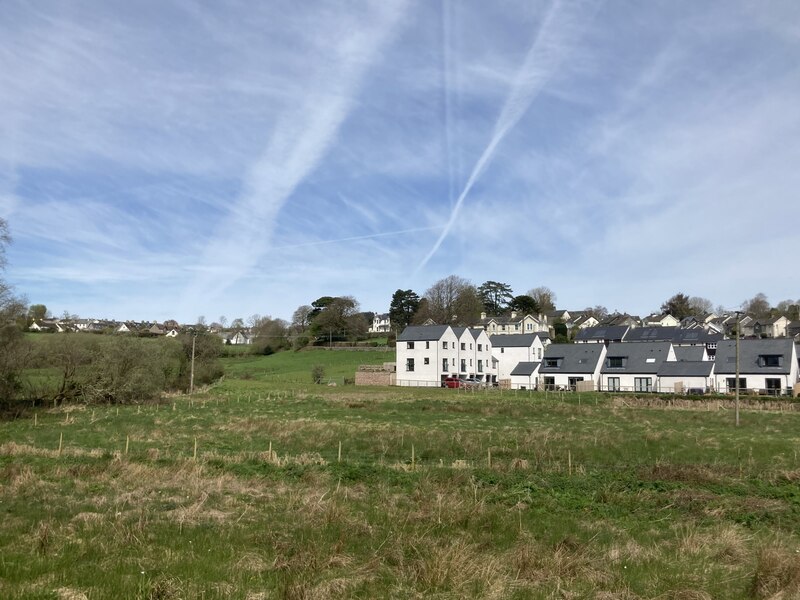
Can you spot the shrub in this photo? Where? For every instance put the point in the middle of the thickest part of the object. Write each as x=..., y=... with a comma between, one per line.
x=317, y=373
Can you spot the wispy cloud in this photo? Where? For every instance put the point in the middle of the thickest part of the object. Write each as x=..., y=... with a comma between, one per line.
x=300, y=137
x=553, y=41
x=190, y=157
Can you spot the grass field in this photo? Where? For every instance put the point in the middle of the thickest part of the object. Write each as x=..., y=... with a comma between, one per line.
x=266, y=486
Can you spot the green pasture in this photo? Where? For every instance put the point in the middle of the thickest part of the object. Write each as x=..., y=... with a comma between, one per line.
x=267, y=486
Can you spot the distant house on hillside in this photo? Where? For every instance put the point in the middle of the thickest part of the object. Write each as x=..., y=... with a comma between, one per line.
x=380, y=323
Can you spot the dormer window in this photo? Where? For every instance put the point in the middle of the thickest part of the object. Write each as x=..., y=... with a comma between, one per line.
x=615, y=362
x=770, y=360
x=553, y=362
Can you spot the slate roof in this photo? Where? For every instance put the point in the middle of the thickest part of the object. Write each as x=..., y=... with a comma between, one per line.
x=525, y=369
x=422, y=333
x=575, y=358
x=651, y=334
x=602, y=333
x=686, y=368
x=749, y=352
x=644, y=357
x=696, y=336
x=690, y=353
x=519, y=340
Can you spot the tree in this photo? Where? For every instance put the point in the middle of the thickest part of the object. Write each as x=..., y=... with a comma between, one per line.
x=237, y=323
x=598, y=311
x=700, y=306
x=301, y=318
x=271, y=335
x=37, y=312
x=545, y=298
x=495, y=296
x=789, y=309
x=14, y=349
x=318, y=305
x=524, y=305
x=757, y=306
x=223, y=321
x=678, y=306
x=453, y=301
x=402, y=308
x=339, y=317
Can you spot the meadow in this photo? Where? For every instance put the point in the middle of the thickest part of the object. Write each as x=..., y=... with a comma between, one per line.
x=267, y=486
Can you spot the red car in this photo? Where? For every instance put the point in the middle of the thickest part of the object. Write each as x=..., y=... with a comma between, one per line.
x=451, y=382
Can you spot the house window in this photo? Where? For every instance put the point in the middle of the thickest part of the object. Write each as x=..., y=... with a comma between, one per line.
x=444, y=345
x=643, y=384
x=410, y=365
x=731, y=383
x=445, y=366
x=613, y=384
x=770, y=360
x=502, y=350
x=615, y=362
x=529, y=326
x=427, y=345
x=480, y=366
x=463, y=346
x=463, y=365
x=470, y=346
x=426, y=361
x=480, y=347
x=410, y=345
x=470, y=362
x=539, y=353
x=516, y=327
x=552, y=362
x=773, y=386
x=549, y=383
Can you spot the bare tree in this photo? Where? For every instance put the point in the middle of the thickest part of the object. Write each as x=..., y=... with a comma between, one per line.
x=757, y=306
x=301, y=318
x=545, y=298
x=700, y=306
x=453, y=301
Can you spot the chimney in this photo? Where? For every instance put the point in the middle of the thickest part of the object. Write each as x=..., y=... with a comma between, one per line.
x=483, y=315
x=513, y=314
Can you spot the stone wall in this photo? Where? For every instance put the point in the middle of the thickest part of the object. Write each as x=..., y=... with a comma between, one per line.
x=374, y=377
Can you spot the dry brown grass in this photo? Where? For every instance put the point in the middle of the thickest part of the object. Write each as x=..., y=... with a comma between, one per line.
x=777, y=574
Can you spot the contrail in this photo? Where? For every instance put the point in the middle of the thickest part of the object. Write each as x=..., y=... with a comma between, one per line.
x=548, y=50
x=357, y=238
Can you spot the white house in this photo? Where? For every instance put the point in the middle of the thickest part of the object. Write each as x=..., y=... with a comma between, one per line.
x=633, y=366
x=427, y=354
x=767, y=366
x=525, y=376
x=474, y=354
x=686, y=376
x=660, y=320
x=380, y=323
x=564, y=365
x=513, y=323
x=510, y=350
x=773, y=327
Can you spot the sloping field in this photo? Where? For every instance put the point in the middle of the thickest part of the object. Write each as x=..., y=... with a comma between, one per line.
x=266, y=486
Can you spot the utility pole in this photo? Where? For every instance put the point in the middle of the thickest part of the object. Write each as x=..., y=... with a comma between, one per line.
x=191, y=373
x=737, y=368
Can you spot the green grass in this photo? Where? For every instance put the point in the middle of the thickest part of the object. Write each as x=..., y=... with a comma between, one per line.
x=507, y=495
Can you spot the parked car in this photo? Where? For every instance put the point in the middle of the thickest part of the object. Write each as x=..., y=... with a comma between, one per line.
x=471, y=382
x=451, y=382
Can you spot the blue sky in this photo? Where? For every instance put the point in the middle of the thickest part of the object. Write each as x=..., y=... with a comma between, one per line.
x=170, y=159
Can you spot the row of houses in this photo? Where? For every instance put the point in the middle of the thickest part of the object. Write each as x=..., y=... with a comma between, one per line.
x=578, y=321
x=168, y=329
x=610, y=359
